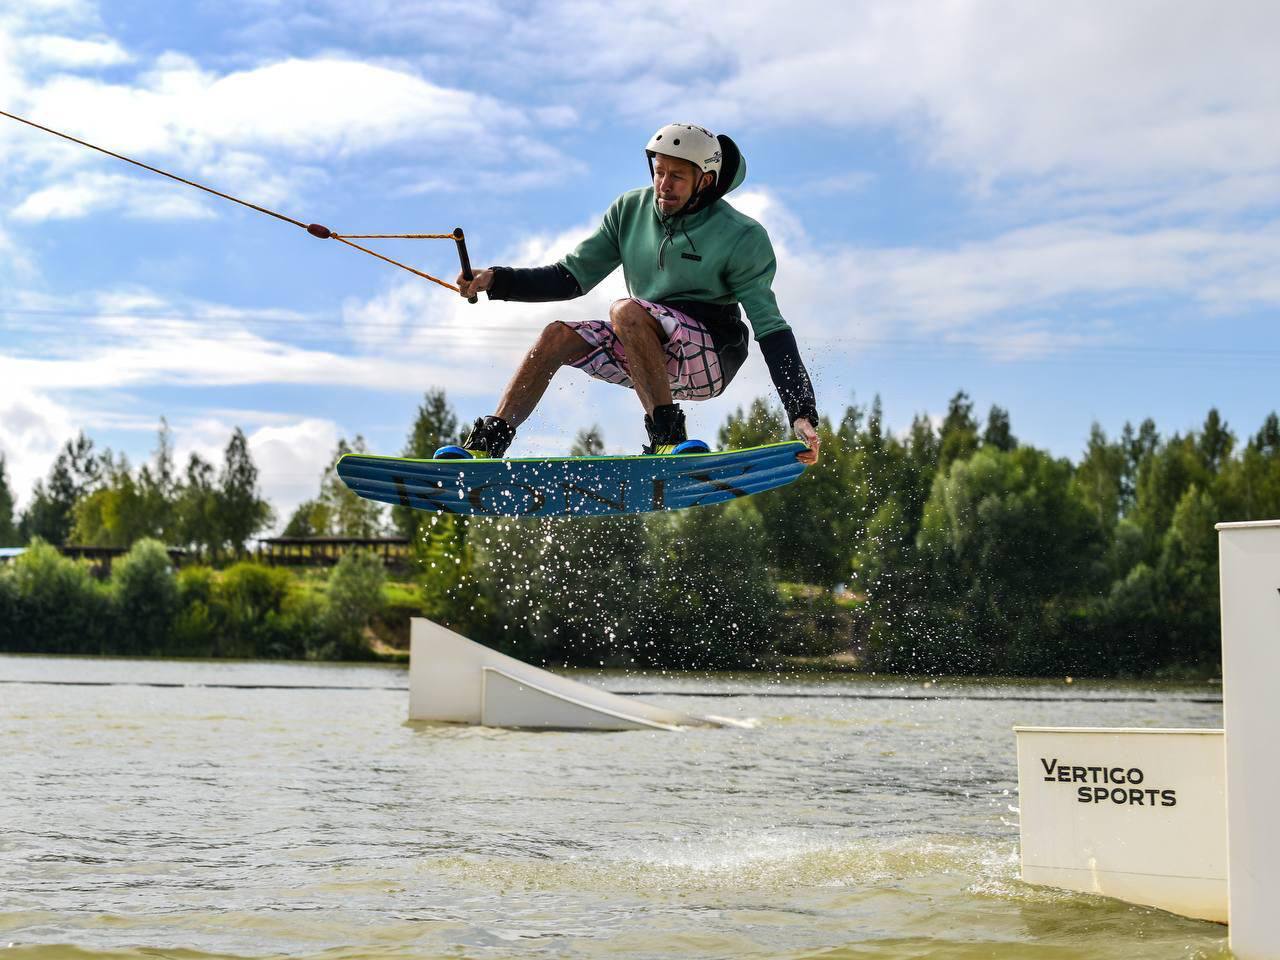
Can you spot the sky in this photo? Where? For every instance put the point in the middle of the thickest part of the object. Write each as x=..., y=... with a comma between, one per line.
x=1072, y=211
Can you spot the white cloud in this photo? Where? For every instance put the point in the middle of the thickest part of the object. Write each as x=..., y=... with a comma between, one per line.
x=269, y=129
x=32, y=428
x=1090, y=96
x=291, y=460
x=1132, y=90
x=74, y=53
x=88, y=193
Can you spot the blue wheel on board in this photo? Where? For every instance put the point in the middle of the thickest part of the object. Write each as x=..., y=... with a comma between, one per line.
x=691, y=446
x=451, y=451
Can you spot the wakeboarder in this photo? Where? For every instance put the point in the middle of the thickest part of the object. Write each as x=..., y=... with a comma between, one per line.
x=692, y=264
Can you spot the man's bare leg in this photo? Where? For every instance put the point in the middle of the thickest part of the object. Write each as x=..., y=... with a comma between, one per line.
x=642, y=338
x=557, y=345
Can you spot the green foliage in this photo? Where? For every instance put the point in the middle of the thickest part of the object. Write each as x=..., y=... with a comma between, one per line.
x=434, y=425
x=99, y=500
x=241, y=510
x=56, y=607
x=252, y=600
x=711, y=600
x=355, y=595
x=349, y=515
x=962, y=550
x=198, y=511
x=74, y=474
x=197, y=625
x=1009, y=547
x=311, y=518
x=146, y=598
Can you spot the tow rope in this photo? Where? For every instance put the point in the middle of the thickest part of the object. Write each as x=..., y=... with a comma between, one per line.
x=315, y=229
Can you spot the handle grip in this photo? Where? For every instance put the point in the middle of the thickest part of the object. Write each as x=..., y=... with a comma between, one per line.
x=463, y=259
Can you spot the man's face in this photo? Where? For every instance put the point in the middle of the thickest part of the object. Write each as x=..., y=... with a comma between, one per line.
x=673, y=182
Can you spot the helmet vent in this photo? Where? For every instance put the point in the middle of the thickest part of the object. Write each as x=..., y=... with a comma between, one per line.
x=675, y=142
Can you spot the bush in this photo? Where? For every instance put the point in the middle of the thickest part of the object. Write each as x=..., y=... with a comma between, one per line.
x=146, y=598
x=58, y=608
x=252, y=599
x=355, y=596
x=197, y=625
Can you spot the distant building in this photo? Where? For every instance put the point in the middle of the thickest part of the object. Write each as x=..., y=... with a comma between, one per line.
x=326, y=551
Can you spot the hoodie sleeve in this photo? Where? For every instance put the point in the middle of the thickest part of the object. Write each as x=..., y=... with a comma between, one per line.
x=600, y=254
x=749, y=277
x=787, y=371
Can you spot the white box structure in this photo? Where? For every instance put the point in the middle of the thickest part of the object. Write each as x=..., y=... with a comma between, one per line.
x=456, y=680
x=1215, y=793
x=1136, y=814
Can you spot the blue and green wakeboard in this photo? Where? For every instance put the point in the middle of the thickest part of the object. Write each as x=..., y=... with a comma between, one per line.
x=572, y=486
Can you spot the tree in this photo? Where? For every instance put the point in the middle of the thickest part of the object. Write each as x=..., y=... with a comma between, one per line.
x=1100, y=478
x=196, y=510
x=434, y=425
x=350, y=515
x=1216, y=441
x=75, y=472
x=1011, y=549
x=8, y=530
x=998, y=433
x=588, y=443
x=311, y=518
x=1268, y=438
x=1138, y=448
x=959, y=433
x=355, y=595
x=241, y=510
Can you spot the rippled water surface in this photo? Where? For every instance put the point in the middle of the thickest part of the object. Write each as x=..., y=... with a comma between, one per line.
x=234, y=812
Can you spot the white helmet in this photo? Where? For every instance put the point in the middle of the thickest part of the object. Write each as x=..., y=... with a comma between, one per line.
x=688, y=142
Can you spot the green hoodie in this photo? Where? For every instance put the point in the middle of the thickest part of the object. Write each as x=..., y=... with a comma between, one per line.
x=703, y=263
x=715, y=255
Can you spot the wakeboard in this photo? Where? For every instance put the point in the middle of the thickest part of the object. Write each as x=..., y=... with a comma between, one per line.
x=572, y=486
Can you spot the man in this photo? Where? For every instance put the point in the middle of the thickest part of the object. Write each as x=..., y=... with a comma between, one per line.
x=689, y=260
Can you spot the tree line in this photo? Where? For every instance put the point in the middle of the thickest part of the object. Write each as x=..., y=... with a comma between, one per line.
x=948, y=547
x=96, y=498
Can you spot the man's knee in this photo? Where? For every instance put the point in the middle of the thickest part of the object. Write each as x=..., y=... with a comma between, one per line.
x=629, y=318
x=560, y=341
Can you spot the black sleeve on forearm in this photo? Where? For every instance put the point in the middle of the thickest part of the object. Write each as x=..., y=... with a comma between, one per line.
x=789, y=376
x=534, y=284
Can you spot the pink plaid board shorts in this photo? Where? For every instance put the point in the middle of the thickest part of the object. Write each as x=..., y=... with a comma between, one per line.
x=693, y=366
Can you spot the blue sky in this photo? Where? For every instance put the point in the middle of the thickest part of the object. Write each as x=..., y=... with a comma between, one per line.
x=1073, y=212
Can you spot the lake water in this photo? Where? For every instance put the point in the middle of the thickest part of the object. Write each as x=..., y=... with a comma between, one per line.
x=266, y=819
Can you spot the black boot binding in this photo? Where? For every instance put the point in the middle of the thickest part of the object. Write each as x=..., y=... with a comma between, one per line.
x=667, y=434
x=489, y=437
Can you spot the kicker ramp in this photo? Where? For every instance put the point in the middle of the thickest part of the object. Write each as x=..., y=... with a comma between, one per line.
x=456, y=680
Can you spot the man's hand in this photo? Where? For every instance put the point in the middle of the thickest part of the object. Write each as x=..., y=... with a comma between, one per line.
x=804, y=430
x=482, y=282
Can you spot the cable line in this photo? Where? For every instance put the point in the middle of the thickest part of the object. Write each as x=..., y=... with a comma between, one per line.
x=315, y=229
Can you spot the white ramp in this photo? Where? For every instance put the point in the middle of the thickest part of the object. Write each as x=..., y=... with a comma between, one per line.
x=456, y=680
